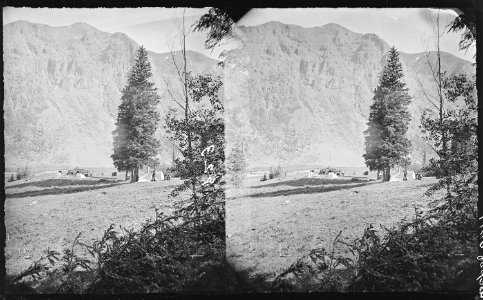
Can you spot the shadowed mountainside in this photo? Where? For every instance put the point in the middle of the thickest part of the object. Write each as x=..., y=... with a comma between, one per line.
x=62, y=89
x=305, y=93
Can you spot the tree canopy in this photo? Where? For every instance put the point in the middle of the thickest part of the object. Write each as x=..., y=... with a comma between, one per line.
x=385, y=139
x=134, y=140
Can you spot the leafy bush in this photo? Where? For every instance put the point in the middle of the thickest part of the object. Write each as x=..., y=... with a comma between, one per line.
x=275, y=173
x=429, y=171
x=432, y=252
x=427, y=254
x=318, y=271
x=22, y=173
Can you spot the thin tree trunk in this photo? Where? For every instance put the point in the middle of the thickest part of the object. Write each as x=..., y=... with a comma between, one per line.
x=444, y=138
x=126, y=175
x=386, y=174
x=190, y=148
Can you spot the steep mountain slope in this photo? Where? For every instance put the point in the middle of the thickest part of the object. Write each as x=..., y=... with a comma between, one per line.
x=62, y=89
x=308, y=91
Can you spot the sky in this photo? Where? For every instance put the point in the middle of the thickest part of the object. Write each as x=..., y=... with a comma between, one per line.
x=410, y=30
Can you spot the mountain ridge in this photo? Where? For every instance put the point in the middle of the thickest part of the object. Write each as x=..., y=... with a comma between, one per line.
x=63, y=87
x=310, y=90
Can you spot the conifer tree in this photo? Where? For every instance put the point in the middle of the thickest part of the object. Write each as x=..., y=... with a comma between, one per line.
x=134, y=139
x=237, y=163
x=386, y=141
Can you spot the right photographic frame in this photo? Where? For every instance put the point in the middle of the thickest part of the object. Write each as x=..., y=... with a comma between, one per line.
x=352, y=150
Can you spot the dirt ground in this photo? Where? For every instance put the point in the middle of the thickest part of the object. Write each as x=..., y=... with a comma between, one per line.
x=271, y=224
x=44, y=212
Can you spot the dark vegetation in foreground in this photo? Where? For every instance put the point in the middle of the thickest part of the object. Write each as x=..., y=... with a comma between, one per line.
x=161, y=257
x=433, y=252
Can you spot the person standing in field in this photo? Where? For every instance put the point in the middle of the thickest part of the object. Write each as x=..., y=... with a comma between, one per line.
x=154, y=175
x=405, y=176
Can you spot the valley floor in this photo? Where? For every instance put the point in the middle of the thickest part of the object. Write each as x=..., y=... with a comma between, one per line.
x=46, y=213
x=271, y=224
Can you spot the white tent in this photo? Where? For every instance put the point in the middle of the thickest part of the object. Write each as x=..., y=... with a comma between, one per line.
x=145, y=178
x=80, y=176
x=149, y=176
x=399, y=176
x=332, y=175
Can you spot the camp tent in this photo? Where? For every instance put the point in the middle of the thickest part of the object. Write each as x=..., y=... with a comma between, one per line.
x=399, y=176
x=332, y=175
x=149, y=176
x=80, y=176
x=145, y=178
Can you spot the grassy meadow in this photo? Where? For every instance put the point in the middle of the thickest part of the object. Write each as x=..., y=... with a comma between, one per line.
x=271, y=224
x=43, y=211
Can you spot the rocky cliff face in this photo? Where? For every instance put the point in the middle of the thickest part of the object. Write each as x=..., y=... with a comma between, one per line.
x=308, y=91
x=62, y=88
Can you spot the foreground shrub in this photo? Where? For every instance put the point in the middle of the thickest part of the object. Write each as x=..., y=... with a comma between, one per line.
x=318, y=271
x=427, y=254
x=158, y=258
x=432, y=252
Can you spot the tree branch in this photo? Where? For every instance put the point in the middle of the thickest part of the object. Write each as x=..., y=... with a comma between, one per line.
x=171, y=94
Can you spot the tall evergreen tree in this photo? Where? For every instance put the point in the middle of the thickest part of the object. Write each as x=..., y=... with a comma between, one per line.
x=137, y=119
x=386, y=142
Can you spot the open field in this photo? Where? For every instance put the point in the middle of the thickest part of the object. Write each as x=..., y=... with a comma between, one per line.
x=44, y=212
x=271, y=224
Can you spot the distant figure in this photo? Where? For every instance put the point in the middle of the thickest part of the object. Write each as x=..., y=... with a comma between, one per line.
x=405, y=176
x=311, y=174
x=419, y=176
x=154, y=175
x=167, y=177
x=59, y=174
x=264, y=178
